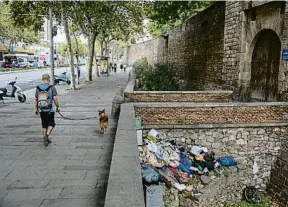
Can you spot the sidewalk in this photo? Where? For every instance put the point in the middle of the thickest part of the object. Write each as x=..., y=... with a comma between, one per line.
x=73, y=170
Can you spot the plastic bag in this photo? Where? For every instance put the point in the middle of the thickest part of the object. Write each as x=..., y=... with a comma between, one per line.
x=255, y=167
x=227, y=161
x=150, y=175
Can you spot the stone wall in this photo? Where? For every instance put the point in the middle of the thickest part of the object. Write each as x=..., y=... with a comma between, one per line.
x=153, y=50
x=174, y=96
x=211, y=113
x=247, y=144
x=232, y=35
x=214, y=49
x=195, y=48
x=278, y=186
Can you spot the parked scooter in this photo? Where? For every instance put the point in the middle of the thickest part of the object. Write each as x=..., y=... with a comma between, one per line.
x=16, y=92
x=62, y=77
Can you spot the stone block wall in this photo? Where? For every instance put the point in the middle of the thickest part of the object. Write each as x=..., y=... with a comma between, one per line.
x=278, y=186
x=153, y=50
x=195, y=47
x=177, y=113
x=173, y=96
x=232, y=41
x=246, y=144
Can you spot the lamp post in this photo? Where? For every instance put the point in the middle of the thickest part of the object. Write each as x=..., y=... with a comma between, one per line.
x=51, y=46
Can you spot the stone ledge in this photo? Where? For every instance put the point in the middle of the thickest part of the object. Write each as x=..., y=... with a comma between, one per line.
x=211, y=126
x=189, y=104
x=181, y=92
x=131, y=82
x=125, y=183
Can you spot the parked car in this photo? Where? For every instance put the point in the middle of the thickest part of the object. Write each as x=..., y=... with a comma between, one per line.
x=8, y=65
x=36, y=64
x=24, y=64
x=2, y=64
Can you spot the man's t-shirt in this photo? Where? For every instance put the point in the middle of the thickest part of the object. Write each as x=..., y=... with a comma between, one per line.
x=52, y=92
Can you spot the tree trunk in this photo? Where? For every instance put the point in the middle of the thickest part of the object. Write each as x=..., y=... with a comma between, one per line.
x=65, y=21
x=106, y=48
x=101, y=47
x=9, y=46
x=77, y=57
x=96, y=68
x=91, y=41
x=77, y=50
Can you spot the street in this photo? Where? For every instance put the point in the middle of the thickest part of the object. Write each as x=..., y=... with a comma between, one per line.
x=30, y=79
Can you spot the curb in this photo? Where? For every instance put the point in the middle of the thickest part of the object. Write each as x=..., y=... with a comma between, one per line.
x=18, y=71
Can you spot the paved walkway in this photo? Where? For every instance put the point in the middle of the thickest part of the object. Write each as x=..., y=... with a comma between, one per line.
x=73, y=170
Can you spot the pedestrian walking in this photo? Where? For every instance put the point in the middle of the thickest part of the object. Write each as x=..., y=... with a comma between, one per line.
x=115, y=67
x=45, y=96
x=121, y=67
x=111, y=67
x=78, y=73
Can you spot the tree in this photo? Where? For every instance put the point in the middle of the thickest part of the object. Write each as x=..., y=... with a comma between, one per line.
x=70, y=51
x=167, y=14
x=95, y=17
x=82, y=48
x=92, y=17
x=13, y=34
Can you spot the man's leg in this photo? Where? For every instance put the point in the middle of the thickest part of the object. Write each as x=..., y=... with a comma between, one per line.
x=51, y=125
x=44, y=118
x=49, y=130
x=44, y=131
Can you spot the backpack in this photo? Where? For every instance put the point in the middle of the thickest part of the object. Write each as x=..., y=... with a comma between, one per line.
x=227, y=161
x=44, y=101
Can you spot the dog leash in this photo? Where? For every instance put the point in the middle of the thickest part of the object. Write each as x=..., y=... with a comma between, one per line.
x=68, y=118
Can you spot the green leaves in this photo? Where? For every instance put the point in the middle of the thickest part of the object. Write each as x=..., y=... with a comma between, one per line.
x=62, y=48
x=165, y=15
x=160, y=77
x=12, y=33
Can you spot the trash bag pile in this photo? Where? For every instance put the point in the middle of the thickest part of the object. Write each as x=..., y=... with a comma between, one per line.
x=171, y=162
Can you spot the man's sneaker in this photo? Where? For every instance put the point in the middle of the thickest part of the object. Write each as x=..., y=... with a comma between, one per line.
x=45, y=141
x=49, y=141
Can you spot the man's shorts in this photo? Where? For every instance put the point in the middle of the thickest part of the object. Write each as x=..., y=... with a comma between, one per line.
x=47, y=119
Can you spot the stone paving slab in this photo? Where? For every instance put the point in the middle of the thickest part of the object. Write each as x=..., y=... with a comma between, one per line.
x=73, y=170
x=69, y=203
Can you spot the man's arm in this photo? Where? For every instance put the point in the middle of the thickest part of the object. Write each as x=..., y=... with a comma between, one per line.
x=55, y=98
x=36, y=102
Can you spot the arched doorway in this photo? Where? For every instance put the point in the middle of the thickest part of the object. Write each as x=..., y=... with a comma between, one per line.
x=265, y=67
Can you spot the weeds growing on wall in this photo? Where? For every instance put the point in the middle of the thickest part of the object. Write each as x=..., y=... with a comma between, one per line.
x=160, y=77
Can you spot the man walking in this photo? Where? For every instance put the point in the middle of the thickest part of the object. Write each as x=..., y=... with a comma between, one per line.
x=45, y=95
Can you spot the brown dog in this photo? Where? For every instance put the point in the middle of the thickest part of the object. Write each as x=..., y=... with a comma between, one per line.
x=103, y=120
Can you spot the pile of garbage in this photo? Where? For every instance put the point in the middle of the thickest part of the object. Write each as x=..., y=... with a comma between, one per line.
x=180, y=167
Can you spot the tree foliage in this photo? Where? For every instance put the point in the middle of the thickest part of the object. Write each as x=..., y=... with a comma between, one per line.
x=167, y=14
x=62, y=48
x=14, y=34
